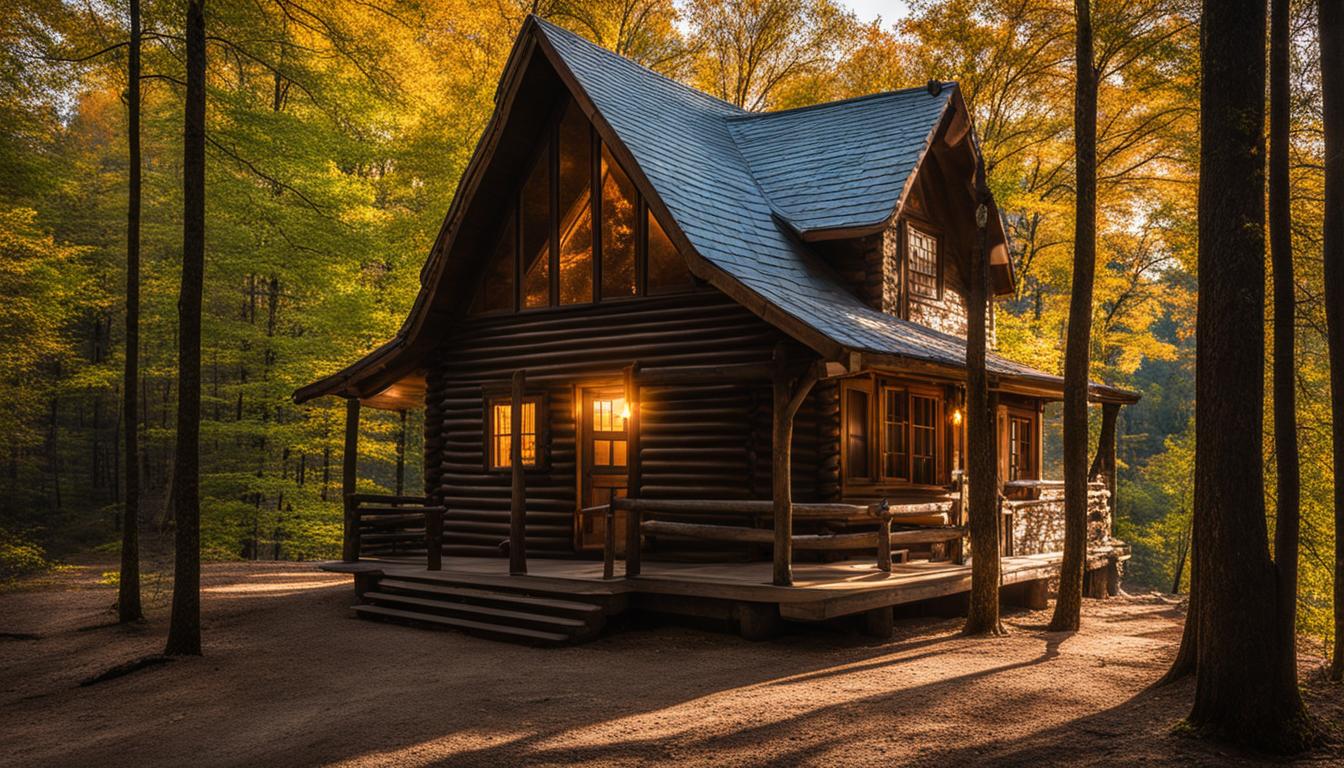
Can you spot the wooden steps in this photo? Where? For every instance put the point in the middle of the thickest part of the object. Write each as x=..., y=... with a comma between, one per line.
x=500, y=613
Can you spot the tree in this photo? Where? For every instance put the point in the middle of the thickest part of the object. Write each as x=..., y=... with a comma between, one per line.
x=184, y=631
x=1287, y=477
x=981, y=462
x=748, y=49
x=1332, y=91
x=1077, y=354
x=128, y=588
x=1242, y=693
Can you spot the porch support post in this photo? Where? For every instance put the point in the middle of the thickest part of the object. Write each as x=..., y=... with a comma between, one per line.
x=788, y=397
x=633, y=470
x=350, y=548
x=518, y=509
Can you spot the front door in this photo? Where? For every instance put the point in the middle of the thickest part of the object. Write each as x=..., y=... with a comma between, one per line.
x=603, y=461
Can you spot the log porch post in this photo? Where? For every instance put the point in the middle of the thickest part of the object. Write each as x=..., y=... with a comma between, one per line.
x=350, y=548
x=518, y=508
x=788, y=397
x=633, y=469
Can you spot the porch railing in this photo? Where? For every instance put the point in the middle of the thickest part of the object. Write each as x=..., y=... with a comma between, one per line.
x=380, y=525
x=642, y=514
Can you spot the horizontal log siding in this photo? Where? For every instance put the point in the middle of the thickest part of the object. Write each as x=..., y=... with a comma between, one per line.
x=697, y=441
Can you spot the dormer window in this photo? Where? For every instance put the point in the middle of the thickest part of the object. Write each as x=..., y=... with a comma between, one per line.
x=922, y=263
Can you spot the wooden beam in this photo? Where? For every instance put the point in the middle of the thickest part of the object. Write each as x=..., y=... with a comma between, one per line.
x=350, y=548
x=633, y=469
x=518, y=508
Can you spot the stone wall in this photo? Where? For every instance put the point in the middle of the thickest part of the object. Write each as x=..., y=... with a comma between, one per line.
x=1038, y=525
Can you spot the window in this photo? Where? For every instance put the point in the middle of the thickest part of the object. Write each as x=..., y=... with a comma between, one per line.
x=497, y=292
x=667, y=272
x=535, y=226
x=856, y=433
x=575, y=176
x=609, y=445
x=922, y=263
x=501, y=433
x=576, y=231
x=925, y=412
x=1021, y=457
x=910, y=434
x=895, y=434
x=618, y=230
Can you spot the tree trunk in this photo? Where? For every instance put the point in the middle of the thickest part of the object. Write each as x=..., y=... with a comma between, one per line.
x=1332, y=88
x=128, y=589
x=184, y=631
x=1242, y=693
x=1078, y=343
x=1288, y=481
x=981, y=461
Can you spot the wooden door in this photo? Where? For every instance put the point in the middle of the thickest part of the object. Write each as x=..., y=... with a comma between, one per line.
x=603, y=460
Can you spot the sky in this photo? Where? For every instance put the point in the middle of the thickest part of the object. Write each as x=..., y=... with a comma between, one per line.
x=889, y=10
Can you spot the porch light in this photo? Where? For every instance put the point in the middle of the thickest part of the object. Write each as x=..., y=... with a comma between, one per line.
x=956, y=417
x=625, y=412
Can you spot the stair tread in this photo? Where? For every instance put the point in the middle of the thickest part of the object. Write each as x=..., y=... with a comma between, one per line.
x=501, y=613
x=470, y=592
x=449, y=621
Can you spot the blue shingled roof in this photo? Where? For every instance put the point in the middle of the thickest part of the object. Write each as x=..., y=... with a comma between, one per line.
x=843, y=164
x=718, y=169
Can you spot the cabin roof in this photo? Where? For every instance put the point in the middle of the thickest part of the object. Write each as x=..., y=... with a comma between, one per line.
x=746, y=192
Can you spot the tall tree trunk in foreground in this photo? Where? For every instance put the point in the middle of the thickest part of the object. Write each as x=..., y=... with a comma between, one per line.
x=1332, y=87
x=1076, y=351
x=128, y=589
x=1288, y=482
x=184, y=633
x=1241, y=691
x=981, y=464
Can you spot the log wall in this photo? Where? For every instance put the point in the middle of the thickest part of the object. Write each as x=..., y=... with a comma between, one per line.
x=697, y=441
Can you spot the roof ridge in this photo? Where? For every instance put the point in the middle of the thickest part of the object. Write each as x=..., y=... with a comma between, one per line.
x=747, y=116
x=550, y=27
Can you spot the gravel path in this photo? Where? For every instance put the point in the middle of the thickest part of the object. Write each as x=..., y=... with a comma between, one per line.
x=288, y=678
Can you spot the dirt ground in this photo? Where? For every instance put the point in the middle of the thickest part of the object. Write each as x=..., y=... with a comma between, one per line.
x=289, y=678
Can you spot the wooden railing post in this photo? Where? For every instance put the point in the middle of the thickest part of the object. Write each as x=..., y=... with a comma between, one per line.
x=884, y=537
x=788, y=397
x=350, y=548
x=434, y=538
x=518, y=508
x=633, y=469
x=609, y=536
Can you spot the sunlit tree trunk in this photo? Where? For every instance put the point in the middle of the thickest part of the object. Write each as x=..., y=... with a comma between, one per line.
x=1332, y=88
x=184, y=631
x=128, y=590
x=1078, y=343
x=981, y=463
x=1241, y=691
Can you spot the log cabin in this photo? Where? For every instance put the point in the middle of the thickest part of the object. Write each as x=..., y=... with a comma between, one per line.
x=726, y=347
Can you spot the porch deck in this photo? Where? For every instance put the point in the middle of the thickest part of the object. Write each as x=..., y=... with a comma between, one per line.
x=820, y=591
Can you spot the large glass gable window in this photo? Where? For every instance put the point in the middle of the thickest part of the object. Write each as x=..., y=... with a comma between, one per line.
x=579, y=232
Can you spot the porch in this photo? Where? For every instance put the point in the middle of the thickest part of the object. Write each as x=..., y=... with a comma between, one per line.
x=568, y=600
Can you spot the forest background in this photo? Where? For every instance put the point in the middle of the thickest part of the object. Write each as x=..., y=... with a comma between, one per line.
x=338, y=131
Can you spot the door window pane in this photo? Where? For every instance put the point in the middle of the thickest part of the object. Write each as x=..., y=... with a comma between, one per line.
x=536, y=210
x=667, y=268
x=576, y=208
x=895, y=434
x=618, y=230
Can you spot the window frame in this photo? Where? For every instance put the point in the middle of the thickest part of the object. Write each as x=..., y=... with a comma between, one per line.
x=876, y=388
x=549, y=153
x=927, y=229
x=1030, y=418
x=493, y=396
